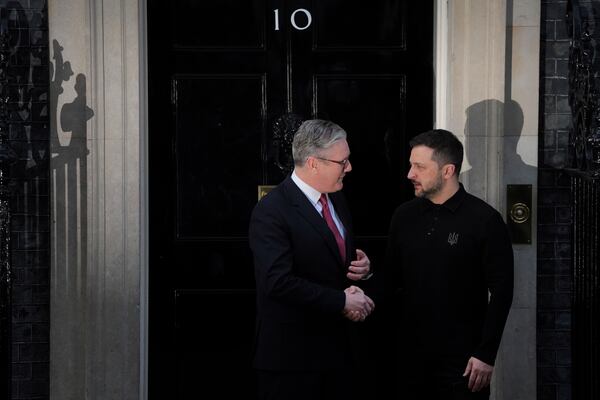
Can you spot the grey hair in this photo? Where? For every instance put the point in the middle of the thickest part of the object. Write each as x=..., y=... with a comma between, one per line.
x=313, y=136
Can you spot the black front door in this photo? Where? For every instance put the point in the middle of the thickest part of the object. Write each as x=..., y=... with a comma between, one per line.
x=230, y=80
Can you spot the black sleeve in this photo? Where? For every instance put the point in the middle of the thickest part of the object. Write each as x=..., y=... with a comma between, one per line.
x=270, y=242
x=386, y=280
x=498, y=270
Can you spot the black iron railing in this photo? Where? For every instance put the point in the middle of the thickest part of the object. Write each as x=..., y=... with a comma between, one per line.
x=586, y=288
x=584, y=99
x=7, y=156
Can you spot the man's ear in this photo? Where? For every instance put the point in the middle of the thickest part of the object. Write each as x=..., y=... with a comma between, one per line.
x=311, y=163
x=449, y=170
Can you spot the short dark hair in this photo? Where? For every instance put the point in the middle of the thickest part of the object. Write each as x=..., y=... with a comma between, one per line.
x=447, y=149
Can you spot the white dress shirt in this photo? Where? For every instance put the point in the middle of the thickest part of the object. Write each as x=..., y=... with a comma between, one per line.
x=313, y=196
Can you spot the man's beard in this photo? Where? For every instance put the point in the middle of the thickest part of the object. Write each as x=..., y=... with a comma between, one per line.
x=433, y=190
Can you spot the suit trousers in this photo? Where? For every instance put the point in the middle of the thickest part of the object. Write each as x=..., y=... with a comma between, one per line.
x=306, y=385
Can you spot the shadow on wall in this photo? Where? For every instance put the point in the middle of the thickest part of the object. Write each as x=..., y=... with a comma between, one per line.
x=69, y=174
x=69, y=191
x=480, y=117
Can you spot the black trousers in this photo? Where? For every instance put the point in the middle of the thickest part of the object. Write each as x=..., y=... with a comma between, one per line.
x=443, y=391
x=308, y=385
x=426, y=376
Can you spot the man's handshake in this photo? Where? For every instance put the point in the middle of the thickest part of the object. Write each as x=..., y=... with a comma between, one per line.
x=358, y=305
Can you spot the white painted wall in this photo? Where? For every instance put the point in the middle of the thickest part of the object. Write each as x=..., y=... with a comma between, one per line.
x=487, y=86
x=97, y=214
x=518, y=379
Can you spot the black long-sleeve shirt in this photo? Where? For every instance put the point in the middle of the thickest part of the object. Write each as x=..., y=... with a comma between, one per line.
x=442, y=261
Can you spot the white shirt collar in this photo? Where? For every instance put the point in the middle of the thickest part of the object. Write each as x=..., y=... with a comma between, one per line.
x=313, y=194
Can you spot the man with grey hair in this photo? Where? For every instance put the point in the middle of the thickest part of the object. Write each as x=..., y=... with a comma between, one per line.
x=306, y=268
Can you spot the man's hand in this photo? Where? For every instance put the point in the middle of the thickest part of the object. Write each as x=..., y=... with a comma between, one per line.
x=359, y=268
x=352, y=315
x=358, y=305
x=479, y=373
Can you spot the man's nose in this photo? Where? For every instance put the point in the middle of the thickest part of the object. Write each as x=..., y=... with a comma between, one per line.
x=348, y=166
x=410, y=174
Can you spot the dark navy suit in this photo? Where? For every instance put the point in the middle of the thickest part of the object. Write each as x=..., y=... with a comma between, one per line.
x=300, y=278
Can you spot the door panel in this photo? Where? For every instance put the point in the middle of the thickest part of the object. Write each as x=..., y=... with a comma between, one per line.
x=349, y=24
x=222, y=24
x=214, y=342
x=377, y=131
x=219, y=123
x=226, y=92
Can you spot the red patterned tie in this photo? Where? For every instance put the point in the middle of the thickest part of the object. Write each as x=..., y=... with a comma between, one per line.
x=338, y=237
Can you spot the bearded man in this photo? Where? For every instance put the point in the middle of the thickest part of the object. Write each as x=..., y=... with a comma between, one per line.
x=449, y=272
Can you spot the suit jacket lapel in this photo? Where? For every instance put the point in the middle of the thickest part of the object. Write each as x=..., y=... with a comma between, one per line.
x=308, y=211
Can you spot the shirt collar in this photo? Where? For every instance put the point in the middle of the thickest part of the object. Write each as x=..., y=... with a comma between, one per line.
x=311, y=193
x=452, y=203
x=456, y=200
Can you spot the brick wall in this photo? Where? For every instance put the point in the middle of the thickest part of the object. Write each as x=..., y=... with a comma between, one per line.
x=30, y=241
x=554, y=218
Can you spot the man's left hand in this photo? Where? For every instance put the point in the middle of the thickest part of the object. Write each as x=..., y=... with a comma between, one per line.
x=479, y=373
x=359, y=268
